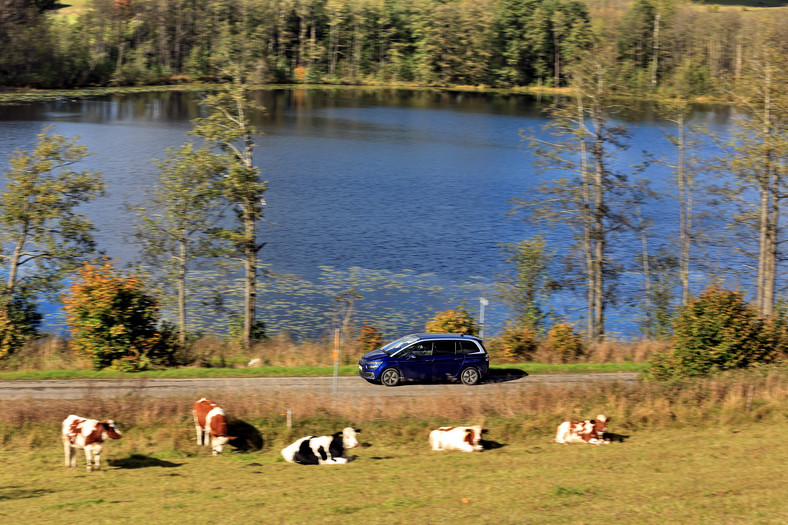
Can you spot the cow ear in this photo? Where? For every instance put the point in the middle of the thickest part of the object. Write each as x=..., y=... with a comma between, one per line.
x=357, y=430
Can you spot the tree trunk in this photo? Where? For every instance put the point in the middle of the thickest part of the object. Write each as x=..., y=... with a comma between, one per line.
x=250, y=270
x=182, y=293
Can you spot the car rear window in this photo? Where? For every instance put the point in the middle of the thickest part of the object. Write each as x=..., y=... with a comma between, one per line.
x=467, y=347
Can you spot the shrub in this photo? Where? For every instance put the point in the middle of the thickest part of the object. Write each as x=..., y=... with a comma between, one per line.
x=718, y=331
x=19, y=322
x=457, y=321
x=515, y=344
x=369, y=338
x=563, y=343
x=113, y=321
x=236, y=329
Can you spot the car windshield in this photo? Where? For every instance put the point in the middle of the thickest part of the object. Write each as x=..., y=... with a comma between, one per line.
x=396, y=348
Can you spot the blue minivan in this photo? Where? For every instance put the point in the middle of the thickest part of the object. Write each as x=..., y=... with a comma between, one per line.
x=427, y=357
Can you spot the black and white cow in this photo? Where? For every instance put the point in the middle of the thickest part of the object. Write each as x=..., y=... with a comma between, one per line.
x=322, y=450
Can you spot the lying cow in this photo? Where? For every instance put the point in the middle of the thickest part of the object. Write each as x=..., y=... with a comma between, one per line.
x=467, y=439
x=590, y=431
x=323, y=450
x=88, y=434
x=210, y=421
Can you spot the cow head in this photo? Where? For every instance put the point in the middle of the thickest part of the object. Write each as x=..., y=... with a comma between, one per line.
x=600, y=425
x=218, y=443
x=474, y=436
x=109, y=430
x=349, y=437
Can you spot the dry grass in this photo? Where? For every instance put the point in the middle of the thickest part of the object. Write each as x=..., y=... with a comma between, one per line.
x=53, y=353
x=49, y=353
x=727, y=399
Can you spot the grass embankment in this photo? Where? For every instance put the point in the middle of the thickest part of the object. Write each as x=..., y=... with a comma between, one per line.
x=707, y=451
x=298, y=371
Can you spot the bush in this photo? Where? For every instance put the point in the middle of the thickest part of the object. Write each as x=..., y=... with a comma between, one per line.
x=718, y=331
x=19, y=322
x=564, y=344
x=515, y=344
x=113, y=321
x=236, y=328
x=457, y=321
x=369, y=338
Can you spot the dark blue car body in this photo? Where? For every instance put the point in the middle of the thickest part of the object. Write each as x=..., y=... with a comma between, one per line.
x=427, y=357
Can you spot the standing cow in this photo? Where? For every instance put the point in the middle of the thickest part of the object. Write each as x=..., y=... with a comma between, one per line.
x=466, y=439
x=591, y=431
x=88, y=434
x=323, y=450
x=210, y=421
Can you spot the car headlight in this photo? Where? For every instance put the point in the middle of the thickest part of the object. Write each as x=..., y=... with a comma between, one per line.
x=372, y=365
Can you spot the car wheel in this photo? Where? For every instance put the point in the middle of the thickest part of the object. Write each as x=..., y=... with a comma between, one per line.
x=390, y=377
x=469, y=376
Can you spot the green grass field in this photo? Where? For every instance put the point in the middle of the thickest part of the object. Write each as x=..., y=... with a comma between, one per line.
x=719, y=474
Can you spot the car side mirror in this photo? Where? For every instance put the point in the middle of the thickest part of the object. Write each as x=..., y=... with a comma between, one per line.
x=413, y=356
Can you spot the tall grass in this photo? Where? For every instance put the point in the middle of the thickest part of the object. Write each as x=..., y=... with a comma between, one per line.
x=53, y=353
x=729, y=399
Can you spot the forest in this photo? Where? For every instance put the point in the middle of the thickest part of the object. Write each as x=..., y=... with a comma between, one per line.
x=659, y=45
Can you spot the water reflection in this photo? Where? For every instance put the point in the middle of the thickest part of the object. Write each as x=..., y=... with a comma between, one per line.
x=403, y=194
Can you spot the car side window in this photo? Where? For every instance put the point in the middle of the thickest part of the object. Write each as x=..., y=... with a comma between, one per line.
x=422, y=349
x=443, y=348
x=467, y=347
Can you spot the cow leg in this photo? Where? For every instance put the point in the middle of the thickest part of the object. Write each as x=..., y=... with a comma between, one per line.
x=200, y=435
x=71, y=458
x=89, y=459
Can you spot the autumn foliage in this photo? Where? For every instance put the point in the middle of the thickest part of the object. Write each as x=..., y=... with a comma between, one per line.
x=564, y=343
x=113, y=321
x=515, y=343
x=370, y=338
x=457, y=321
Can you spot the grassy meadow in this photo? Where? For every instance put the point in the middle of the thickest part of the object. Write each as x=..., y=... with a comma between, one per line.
x=719, y=474
x=702, y=451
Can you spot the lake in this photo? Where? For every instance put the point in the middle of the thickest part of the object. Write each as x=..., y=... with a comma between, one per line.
x=403, y=195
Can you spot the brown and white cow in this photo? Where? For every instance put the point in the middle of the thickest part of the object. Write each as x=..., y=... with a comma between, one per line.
x=210, y=421
x=590, y=431
x=88, y=434
x=467, y=439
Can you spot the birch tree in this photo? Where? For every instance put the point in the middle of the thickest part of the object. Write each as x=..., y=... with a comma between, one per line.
x=228, y=127
x=174, y=226
x=582, y=138
x=687, y=169
x=40, y=228
x=756, y=157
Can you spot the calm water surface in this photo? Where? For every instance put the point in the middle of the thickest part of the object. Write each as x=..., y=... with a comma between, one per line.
x=403, y=195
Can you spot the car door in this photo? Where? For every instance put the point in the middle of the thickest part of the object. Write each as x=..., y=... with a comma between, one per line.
x=417, y=364
x=446, y=362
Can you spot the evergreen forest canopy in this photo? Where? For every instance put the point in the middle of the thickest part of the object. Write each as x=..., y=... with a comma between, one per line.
x=659, y=44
